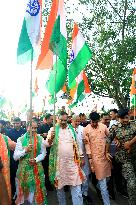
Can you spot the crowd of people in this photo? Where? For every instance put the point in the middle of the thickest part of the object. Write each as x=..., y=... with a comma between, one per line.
x=37, y=157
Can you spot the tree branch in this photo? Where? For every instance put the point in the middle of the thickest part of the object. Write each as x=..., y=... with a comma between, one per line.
x=115, y=10
x=124, y=20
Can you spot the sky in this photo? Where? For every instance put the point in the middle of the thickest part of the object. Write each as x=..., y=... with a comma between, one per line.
x=11, y=84
x=14, y=79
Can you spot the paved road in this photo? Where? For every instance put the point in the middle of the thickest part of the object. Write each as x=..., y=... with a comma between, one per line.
x=52, y=199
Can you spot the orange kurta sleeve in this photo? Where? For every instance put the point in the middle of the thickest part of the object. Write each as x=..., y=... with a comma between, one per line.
x=86, y=139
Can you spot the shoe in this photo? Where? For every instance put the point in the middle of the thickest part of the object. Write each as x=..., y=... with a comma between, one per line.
x=87, y=199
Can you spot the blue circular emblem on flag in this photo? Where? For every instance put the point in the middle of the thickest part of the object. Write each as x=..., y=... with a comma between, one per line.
x=33, y=7
x=72, y=56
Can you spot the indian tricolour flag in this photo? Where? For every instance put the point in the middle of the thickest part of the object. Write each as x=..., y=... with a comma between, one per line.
x=133, y=89
x=80, y=55
x=30, y=34
x=79, y=90
x=54, y=48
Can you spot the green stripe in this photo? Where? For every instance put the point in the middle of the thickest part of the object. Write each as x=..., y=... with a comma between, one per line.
x=25, y=49
x=81, y=97
x=80, y=94
x=60, y=78
x=58, y=43
x=133, y=100
x=80, y=89
x=79, y=63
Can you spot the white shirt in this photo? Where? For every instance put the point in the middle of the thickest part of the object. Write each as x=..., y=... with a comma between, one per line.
x=20, y=151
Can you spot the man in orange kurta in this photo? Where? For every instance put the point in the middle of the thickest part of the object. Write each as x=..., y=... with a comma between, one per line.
x=6, y=144
x=95, y=138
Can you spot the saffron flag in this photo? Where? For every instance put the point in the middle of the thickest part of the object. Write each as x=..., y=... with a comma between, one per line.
x=133, y=89
x=80, y=89
x=80, y=55
x=55, y=43
x=30, y=33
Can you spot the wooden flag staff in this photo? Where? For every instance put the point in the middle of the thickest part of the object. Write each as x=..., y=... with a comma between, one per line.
x=54, y=109
x=31, y=85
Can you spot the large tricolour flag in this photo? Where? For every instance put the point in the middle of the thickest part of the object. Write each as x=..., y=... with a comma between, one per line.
x=79, y=90
x=133, y=89
x=30, y=33
x=80, y=55
x=55, y=45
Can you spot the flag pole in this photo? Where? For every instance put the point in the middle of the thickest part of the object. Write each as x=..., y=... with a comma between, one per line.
x=31, y=85
x=134, y=107
x=54, y=108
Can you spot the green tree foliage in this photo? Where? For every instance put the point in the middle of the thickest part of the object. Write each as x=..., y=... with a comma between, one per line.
x=111, y=32
x=109, y=28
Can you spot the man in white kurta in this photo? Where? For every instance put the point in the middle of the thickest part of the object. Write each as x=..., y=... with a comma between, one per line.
x=65, y=155
x=30, y=175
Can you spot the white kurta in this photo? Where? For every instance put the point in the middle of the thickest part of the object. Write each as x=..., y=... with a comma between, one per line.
x=68, y=170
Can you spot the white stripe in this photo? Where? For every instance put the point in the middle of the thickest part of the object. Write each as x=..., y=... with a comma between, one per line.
x=79, y=77
x=33, y=27
x=77, y=44
x=61, y=12
x=62, y=19
x=78, y=80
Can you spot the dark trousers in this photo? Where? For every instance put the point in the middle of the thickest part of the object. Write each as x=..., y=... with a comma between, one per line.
x=45, y=164
x=13, y=170
x=129, y=174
